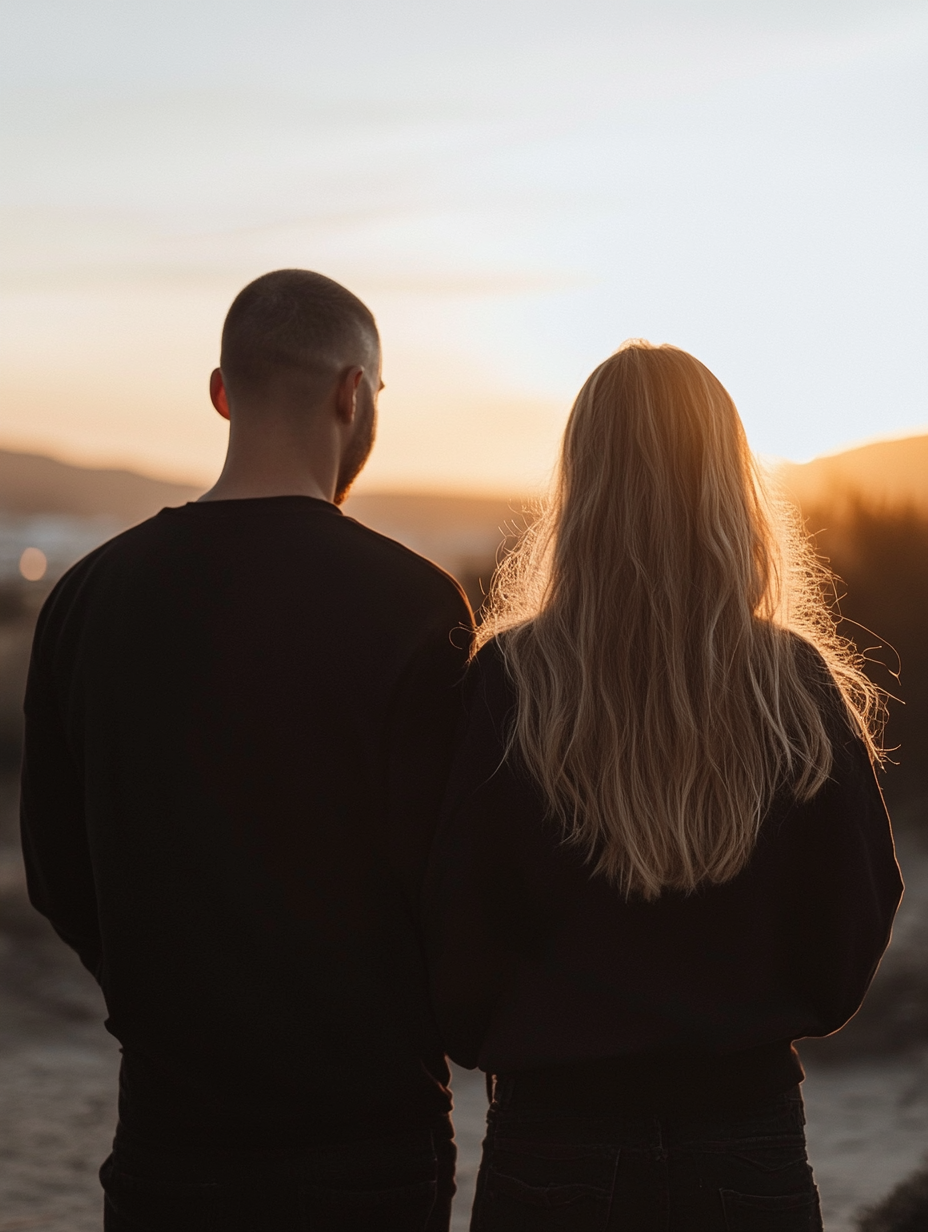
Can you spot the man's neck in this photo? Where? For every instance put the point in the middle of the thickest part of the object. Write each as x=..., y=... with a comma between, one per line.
x=277, y=461
x=234, y=486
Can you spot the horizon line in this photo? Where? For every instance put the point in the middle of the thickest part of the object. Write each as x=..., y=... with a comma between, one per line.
x=411, y=487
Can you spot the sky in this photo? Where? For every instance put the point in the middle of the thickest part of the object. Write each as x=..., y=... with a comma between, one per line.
x=514, y=188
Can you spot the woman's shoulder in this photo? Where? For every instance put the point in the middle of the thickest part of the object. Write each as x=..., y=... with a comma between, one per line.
x=487, y=669
x=818, y=677
x=489, y=693
x=853, y=756
x=809, y=657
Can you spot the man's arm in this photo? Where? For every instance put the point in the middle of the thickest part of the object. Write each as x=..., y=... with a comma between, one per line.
x=59, y=872
x=424, y=717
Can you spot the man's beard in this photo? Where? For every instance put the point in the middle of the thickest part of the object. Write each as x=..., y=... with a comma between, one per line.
x=357, y=453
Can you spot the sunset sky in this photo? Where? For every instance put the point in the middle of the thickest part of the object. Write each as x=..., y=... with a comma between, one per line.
x=514, y=187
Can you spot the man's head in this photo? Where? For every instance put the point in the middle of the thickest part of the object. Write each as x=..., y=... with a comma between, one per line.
x=297, y=344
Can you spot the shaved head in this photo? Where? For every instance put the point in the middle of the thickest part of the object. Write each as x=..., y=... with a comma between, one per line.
x=294, y=329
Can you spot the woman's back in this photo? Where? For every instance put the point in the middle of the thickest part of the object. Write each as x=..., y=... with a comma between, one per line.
x=537, y=963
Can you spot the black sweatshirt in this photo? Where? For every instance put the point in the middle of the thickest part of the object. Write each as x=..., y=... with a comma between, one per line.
x=688, y=1001
x=238, y=727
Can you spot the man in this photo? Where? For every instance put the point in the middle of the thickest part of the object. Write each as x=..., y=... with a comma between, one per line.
x=238, y=724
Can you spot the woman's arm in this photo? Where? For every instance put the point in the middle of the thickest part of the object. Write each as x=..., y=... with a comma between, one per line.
x=475, y=906
x=845, y=882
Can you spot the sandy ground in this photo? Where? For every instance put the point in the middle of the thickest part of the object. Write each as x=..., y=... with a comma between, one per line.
x=868, y=1113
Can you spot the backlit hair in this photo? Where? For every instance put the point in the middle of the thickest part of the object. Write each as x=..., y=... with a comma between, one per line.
x=648, y=619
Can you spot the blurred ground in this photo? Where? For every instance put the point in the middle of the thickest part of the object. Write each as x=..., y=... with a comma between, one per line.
x=866, y=1093
x=57, y=1066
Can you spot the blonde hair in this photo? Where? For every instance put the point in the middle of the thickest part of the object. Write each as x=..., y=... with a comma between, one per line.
x=647, y=620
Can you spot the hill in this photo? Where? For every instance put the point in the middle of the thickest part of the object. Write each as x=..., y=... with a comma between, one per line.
x=884, y=475
x=33, y=484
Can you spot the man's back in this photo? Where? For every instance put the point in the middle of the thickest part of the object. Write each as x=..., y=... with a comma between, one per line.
x=238, y=724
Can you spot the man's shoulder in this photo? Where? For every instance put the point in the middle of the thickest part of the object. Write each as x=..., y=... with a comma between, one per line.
x=426, y=581
x=377, y=571
x=114, y=550
x=71, y=592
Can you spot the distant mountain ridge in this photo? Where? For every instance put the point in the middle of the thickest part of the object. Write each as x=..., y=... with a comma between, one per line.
x=886, y=473
x=31, y=483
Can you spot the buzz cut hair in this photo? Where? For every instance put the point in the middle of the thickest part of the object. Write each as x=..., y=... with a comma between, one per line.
x=289, y=322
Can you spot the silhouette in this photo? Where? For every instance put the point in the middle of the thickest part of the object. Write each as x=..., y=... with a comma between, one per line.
x=664, y=855
x=238, y=721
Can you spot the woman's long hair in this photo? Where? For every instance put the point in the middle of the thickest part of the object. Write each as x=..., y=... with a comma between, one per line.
x=647, y=621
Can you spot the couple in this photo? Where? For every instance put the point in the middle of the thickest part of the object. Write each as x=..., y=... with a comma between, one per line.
x=310, y=843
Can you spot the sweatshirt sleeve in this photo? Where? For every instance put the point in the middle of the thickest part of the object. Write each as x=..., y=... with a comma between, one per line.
x=59, y=872
x=845, y=881
x=475, y=906
x=423, y=719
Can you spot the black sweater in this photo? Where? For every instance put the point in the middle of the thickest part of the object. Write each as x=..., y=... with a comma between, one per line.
x=690, y=999
x=238, y=726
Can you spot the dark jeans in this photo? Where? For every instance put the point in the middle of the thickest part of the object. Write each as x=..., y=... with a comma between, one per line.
x=544, y=1169
x=402, y=1183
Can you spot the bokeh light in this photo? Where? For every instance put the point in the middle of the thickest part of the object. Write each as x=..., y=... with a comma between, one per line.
x=32, y=564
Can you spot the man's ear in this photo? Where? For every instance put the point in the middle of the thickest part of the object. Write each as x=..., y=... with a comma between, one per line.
x=346, y=395
x=217, y=393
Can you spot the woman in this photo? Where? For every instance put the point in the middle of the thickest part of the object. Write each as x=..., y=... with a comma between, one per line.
x=664, y=855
